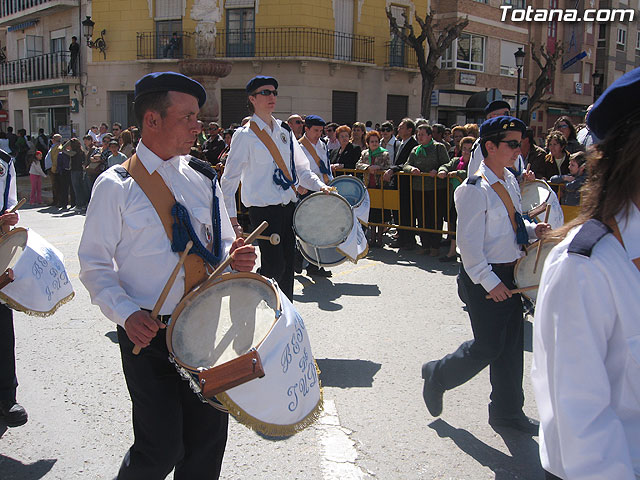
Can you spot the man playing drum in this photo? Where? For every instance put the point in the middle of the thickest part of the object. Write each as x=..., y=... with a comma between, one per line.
x=11, y=412
x=490, y=234
x=269, y=162
x=129, y=248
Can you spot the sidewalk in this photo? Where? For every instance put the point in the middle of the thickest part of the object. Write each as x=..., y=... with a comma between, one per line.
x=24, y=189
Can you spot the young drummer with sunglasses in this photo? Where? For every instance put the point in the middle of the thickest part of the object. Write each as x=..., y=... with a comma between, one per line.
x=490, y=234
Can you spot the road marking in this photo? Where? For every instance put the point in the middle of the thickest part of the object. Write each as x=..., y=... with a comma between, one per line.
x=338, y=450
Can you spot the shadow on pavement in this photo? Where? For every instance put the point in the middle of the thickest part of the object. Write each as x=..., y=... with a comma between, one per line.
x=113, y=336
x=524, y=462
x=11, y=469
x=347, y=373
x=324, y=292
x=411, y=258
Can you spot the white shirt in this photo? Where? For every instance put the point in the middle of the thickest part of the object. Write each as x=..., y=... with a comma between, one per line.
x=12, y=200
x=96, y=137
x=484, y=232
x=250, y=162
x=321, y=149
x=125, y=254
x=332, y=145
x=586, y=359
x=391, y=147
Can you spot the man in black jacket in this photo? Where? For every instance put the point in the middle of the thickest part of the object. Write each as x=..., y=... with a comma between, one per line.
x=406, y=131
x=214, y=145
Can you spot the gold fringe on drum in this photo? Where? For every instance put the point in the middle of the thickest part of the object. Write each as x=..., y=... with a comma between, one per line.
x=33, y=313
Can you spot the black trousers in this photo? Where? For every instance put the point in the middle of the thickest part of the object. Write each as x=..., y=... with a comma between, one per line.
x=432, y=215
x=8, y=380
x=550, y=476
x=276, y=261
x=498, y=342
x=172, y=427
x=405, y=237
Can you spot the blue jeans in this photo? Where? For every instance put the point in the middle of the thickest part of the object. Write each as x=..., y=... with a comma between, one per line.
x=80, y=188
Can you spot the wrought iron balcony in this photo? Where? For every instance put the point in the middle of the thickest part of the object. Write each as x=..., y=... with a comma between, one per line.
x=22, y=10
x=400, y=55
x=49, y=66
x=278, y=42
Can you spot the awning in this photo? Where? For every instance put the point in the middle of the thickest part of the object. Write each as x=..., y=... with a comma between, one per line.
x=23, y=25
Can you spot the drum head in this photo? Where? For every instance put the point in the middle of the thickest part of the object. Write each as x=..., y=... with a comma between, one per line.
x=223, y=320
x=11, y=247
x=323, y=220
x=534, y=194
x=351, y=188
x=322, y=257
x=523, y=274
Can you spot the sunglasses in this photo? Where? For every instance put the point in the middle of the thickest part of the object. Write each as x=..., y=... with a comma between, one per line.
x=563, y=126
x=298, y=122
x=385, y=129
x=512, y=144
x=266, y=93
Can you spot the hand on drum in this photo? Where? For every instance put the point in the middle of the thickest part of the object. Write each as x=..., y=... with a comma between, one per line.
x=141, y=328
x=244, y=256
x=301, y=190
x=500, y=293
x=327, y=189
x=9, y=219
x=542, y=229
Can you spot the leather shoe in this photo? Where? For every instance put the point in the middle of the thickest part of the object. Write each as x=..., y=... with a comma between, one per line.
x=523, y=424
x=432, y=391
x=13, y=414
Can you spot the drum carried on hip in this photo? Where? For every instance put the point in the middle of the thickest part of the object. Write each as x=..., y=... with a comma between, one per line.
x=240, y=340
x=41, y=283
x=321, y=222
x=527, y=273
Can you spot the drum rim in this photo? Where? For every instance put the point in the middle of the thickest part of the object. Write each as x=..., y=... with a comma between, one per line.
x=531, y=248
x=187, y=299
x=351, y=178
x=316, y=194
x=533, y=182
x=317, y=264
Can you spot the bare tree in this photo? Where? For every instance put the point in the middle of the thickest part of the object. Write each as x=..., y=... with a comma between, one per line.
x=437, y=42
x=547, y=63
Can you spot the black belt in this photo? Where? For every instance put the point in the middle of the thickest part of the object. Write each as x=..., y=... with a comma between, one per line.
x=163, y=318
x=510, y=264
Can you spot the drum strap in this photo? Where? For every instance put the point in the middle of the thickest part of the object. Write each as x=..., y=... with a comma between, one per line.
x=306, y=143
x=162, y=199
x=516, y=219
x=268, y=142
x=616, y=233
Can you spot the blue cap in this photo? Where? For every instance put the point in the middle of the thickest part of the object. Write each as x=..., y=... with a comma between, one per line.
x=496, y=105
x=260, y=81
x=170, y=82
x=501, y=124
x=618, y=102
x=314, y=121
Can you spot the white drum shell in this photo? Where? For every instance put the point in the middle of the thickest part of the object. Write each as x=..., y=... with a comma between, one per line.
x=523, y=273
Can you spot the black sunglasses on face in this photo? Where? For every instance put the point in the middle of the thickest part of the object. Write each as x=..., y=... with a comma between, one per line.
x=563, y=126
x=266, y=93
x=512, y=144
x=385, y=129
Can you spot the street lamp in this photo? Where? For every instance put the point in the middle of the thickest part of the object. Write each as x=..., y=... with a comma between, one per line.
x=597, y=81
x=99, y=43
x=519, y=64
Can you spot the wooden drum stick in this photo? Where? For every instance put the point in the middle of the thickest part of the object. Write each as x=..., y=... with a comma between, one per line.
x=167, y=288
x=273, y=239
x=16, y=207
x=539, y=249
x=517, y=290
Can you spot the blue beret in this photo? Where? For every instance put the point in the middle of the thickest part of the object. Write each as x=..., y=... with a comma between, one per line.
x=170, y=82
x=618, y=101
x=501, y=124
x=314, y=121
x=496, y=105
x=260, y=81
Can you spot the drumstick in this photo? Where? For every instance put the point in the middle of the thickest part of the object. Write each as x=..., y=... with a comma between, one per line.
x=517, y=290
x=252, y=236
x=539, y=249
x=273, y=239
x=167, y=287
x=6, y=278
x=15, y=207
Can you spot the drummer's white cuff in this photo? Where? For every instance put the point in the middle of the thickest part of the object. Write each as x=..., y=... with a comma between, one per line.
x=124, y=311
x=490, y=282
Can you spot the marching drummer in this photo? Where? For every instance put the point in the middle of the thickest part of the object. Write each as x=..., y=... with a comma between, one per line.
x=490, y=234
x=141, y=215
x=586, y=355
x=11, y=412
x=266, y=158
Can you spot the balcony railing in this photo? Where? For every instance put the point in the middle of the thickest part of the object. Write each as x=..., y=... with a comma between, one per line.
x=10, y=7
x=282, y=42
x=400, y=55
x=41, y=67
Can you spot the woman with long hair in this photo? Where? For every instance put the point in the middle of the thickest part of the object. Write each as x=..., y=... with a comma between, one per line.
x=126, y=143
x=357, y=135
x=586, y=365
x=568, y=130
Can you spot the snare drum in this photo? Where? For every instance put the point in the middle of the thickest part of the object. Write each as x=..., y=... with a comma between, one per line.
x=321, y=222
x=351, y=188
x=41, y=282
x=534, y=195
x=523, y=273
x=235, y=315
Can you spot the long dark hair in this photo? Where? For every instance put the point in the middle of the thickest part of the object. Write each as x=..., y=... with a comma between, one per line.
x=613, y=167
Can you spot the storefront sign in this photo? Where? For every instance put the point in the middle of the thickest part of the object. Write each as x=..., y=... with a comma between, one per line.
x=48, y=92
x=467, y=78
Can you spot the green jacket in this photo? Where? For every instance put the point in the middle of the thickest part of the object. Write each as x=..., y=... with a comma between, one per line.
x=431, y=158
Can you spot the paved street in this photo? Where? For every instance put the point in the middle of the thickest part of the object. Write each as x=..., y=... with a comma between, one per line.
x=372, y=325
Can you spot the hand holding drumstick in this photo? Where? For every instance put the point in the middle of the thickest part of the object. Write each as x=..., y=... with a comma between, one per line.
x=10, y=218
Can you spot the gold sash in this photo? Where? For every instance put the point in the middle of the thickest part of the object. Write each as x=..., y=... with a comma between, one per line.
x=306, y=143
x=506, y=200
x=268, y=142
x=153, y=186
